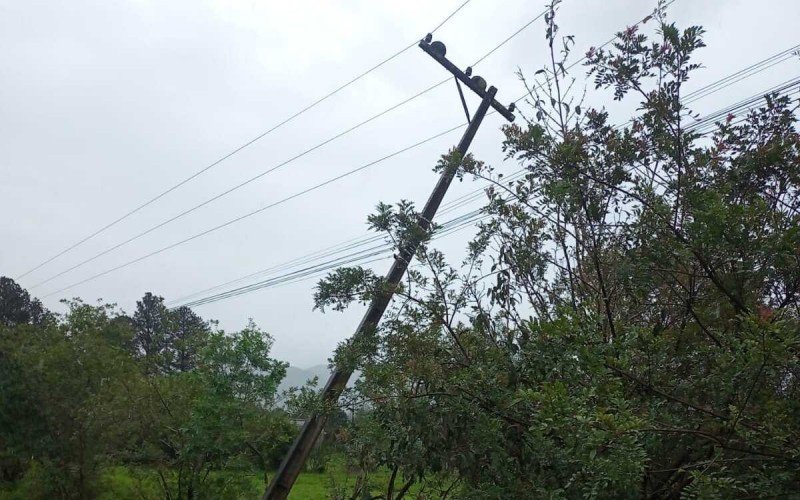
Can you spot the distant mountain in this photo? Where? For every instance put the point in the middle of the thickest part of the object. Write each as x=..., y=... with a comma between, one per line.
x=296, y=377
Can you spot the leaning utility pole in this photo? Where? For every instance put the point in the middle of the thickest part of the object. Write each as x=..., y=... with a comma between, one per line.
x=294, y=460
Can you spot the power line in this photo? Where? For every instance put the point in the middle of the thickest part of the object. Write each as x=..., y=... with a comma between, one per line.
x=452, y=226
x=364, y=240
x=339, y=248
x=241, y=217
x=511, y=36
x=444, y=21
x=448, y=227
x=734, y=77
x=285, y=266
x=243, y=146
x=708, y=122
x=465, y=220
x=234, y=188
x=644, y=20
x=342, y=247
x=254, y=212
x=691, y=97
x=277, y=166
x=602, y=45
x=743, y=73
x=310, y=189
x=257, y=211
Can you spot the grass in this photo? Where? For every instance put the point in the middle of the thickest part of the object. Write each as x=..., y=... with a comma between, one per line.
x=311, y=485
x=124, y=483
x=134, y=483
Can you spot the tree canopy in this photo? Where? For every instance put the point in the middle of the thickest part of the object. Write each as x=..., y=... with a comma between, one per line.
x=183, y=406
x=626, y=323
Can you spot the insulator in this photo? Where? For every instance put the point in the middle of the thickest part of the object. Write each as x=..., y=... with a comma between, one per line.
x=479, y=82
x=468, y=71
x=438, y=48
x=428, y=38
x=512, y=107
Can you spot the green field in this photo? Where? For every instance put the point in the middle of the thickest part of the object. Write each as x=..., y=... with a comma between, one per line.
x=131, y=483
x=125, y=483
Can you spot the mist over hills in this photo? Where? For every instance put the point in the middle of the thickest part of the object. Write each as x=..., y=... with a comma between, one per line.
x=296, y=377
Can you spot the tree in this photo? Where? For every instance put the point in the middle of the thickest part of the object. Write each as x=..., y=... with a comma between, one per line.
x=170, y=340
x=188, y=335
x=626, y=322
x=151, y=321
x=64, y=400
x=17, y=306
x=199, y=426
x=193, y=407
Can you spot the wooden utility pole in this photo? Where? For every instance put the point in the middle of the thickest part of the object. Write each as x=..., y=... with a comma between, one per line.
x=296, y=457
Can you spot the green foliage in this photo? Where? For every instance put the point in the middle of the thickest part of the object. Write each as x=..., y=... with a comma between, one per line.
x=168, y=340
x=215, y=418
x=193, y=418
x=63, y=397
x=343, y=286
x=17, y=307
x=627, y=320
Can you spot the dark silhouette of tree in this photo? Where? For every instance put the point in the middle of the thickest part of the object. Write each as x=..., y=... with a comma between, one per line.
x=187, y=335
x=170, y=339
x=150, y=322
x=17, y=307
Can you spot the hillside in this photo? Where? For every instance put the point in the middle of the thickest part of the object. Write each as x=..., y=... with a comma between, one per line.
x=295, y=377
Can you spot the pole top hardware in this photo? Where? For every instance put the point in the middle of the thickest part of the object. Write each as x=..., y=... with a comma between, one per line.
x=437, y=50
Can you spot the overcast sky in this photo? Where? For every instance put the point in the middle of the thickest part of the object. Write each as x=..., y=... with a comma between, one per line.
x=104, y=104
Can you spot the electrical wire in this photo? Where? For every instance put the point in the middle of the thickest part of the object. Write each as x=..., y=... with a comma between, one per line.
x=743, y=73
x=241, y=147
x=342, y=247
x=734, y=78
x=257, y=211
x=230, y=190
x=467, y=219
x=745, y=105
x=103, y=273
x=449, y=227
x=757, y=67
x=275, y=167
x=223, y=225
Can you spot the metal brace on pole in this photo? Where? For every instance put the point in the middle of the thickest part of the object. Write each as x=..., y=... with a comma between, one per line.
x=463, y=101
x=296, y=457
